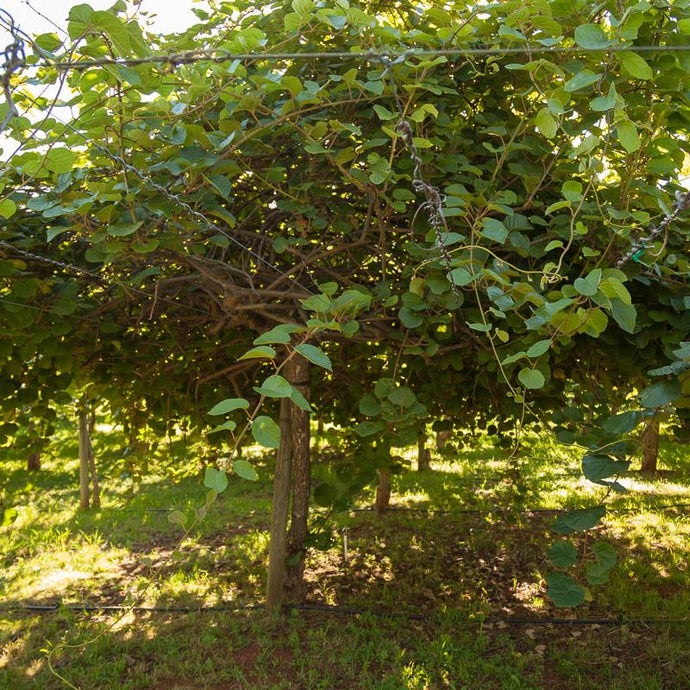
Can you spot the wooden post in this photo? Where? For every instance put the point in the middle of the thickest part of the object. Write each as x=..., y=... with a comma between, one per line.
x=297, y=372
x=423, y=454
x=84, y=449
x=383, y=490
x=650, y=445
x=279, y=514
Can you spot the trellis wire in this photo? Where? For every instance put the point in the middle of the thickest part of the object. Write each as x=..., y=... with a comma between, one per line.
x=192, y=57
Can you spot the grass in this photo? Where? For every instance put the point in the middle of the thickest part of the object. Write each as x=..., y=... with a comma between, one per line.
x=444, y=591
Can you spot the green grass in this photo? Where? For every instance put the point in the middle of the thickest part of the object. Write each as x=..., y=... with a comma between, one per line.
x=465, y=549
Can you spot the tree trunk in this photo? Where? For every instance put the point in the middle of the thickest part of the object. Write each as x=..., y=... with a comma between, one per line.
x=383, y=490
x=84, y=452
x=33, y=462
x=650, y=445
x=423, y=454
x=442, y=437
x=297, y=372
x=279, y=513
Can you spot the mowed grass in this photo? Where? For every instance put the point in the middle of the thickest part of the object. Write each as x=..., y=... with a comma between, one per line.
x=445, y=590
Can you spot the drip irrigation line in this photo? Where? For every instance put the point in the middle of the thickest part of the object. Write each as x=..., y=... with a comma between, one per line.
x=523, y=511
x=340, y=611
x=192, y=57
x=118, y=608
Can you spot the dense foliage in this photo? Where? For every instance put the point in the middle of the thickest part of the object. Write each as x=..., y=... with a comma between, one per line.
x=474, y=210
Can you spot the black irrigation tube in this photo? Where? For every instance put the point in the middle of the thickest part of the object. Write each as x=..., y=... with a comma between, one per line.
x=473, y=511
x=337, y=610
x=522, y=511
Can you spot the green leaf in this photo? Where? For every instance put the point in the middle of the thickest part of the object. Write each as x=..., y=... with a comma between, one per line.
x=303, y=6
x=60, y=160
x=563, y=554
x=369, y=406
x=613, y=288
x=581, y=81
x=564, y=591
x=278, y=334
x=317, y=303
x=260, y=352
x=225, y=426
x=602, y=104
x=599, y=467
x=124, y=229
x=216, y=480
x=589, y=285
x=384, y=113
x=244, y=470
x=266, y=432
x=579, y=520
x=627, y=135
x=461, y=276
x=591, y=37
x=531, y=378
x=572, y=191
x=410, y=318
x=7, y=208
x=275, y=386
x=299, y=400
x=546, y=123
x=494, y=230
x=621, y=424
x=635, y=65
x=115, y=29
x=229, y=405
x=403, y=396
x=538, y=349
x=365, y=429
x=625, y=315
x=660, y=394
x=325, y=495
x=315, y=355
x=598, y=574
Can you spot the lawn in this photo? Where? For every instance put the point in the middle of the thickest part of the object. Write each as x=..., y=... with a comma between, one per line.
x=445, y=590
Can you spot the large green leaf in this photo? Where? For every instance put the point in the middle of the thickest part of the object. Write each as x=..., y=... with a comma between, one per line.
x=229, y=405
x=275, y=386
x=591, y=37
x=216, y=480
x=598, y=467
x=563, y=554
x=315, y=355
x=244, y=469
x=660, y=394
x=259, y=352
x=266, y=432
x=622, y=423
x=531, y=378
x=564, y=591
x=579, y=520
x=281, y=334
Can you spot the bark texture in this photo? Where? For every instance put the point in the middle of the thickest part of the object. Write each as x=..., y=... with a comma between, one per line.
x=650, y=445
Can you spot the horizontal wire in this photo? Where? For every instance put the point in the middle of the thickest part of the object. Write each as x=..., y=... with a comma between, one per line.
x=192, y=57
x=101, y=280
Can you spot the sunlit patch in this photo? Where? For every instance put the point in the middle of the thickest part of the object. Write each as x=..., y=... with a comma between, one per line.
x=59, y=580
